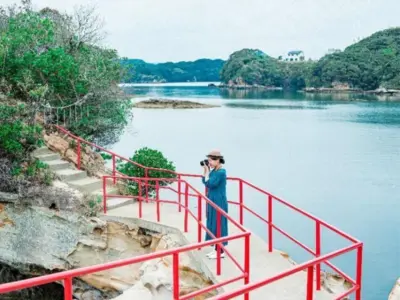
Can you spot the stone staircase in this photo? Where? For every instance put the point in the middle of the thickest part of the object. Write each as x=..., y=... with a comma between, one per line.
x=79, y=179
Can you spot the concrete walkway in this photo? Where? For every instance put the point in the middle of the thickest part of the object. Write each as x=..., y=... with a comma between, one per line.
x=262, y=263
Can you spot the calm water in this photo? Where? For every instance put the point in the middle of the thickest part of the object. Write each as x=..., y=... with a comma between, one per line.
x=337, y=157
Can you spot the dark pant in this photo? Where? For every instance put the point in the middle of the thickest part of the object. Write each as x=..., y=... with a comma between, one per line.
x=221, y=250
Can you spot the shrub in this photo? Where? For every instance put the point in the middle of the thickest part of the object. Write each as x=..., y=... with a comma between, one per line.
x=149, y=158
x=17, y=137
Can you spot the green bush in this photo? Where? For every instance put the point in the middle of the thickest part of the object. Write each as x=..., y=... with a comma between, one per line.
x=149, y=158
x=17, y=137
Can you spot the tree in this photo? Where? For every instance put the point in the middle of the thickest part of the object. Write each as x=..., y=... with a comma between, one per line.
x=51, y=60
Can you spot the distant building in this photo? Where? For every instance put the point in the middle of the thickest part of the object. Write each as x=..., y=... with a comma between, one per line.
x=293, y=56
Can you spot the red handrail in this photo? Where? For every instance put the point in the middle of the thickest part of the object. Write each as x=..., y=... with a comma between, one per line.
x=271, y=199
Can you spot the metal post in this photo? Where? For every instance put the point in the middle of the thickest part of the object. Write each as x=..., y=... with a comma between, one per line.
x=270, y=238
x=79, y=155
x=310, y=290
x=68, y=289
x=318, y=253
x=104, y=195
x=114, y=171
x=218, y=246
x=146, y=175
x=241, y=202
x=186, y=219
x=140, y=199
x=179, y=194
x=175, y=275
x=158, y=200
x=199, y=218
x=247, y=263
x=359, y=271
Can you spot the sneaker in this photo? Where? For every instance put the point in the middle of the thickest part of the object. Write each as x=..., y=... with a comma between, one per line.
x=210, y=253
x=214, y=255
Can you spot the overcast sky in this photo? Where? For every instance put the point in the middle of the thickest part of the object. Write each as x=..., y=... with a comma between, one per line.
x=176, y=30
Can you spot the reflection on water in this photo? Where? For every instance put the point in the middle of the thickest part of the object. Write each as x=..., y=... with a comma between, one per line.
x=269, y=106
x=208, y=92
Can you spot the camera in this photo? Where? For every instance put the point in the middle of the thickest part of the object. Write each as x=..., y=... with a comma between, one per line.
x=204, y=162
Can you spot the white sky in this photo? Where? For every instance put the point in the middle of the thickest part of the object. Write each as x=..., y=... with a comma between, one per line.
x=176, y=30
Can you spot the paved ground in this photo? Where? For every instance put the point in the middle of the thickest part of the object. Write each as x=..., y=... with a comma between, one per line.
x=262, y=264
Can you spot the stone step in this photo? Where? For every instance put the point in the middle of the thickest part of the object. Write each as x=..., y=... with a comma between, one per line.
x=58, y=164
x=113, y=203
x=42, y=151
x=48, y=157
x=87, y=185
x=71, y=174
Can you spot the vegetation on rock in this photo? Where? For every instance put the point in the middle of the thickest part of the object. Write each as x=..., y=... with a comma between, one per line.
x=199, y=70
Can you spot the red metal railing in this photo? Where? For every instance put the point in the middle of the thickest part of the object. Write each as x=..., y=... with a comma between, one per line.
x=268, y=220
x=218, y=241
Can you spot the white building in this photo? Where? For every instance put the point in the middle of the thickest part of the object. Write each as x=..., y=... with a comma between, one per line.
x=293, y=56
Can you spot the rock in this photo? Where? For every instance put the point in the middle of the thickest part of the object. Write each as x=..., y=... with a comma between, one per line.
x=8, y=197
x=395, y=293
x=56, y=143
x=90, y=161
x=163, y=103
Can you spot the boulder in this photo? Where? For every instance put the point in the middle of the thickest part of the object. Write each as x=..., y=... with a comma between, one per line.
x=90, y=160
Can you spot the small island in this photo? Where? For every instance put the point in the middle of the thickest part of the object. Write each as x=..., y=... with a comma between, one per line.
x=168, y=103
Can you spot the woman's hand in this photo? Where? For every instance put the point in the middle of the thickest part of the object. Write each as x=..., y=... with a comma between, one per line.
x=206, y=170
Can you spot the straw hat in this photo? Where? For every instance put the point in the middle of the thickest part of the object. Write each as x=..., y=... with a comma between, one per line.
x=215, y=153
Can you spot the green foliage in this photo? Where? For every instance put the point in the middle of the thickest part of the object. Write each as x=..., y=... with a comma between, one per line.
x=49, y=59
x=368, y=64
x=253, y=67
x=17, y=137
x=199, y=70
x=149, y=158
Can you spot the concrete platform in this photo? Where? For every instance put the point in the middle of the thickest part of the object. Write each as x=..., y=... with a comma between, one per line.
x=262, y=263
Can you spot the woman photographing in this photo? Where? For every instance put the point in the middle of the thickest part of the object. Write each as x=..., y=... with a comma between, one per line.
x=215, y=181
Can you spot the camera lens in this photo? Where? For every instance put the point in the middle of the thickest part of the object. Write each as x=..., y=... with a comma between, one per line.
x=202, y=163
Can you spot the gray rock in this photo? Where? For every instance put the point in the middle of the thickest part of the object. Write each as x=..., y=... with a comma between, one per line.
x=8, y=197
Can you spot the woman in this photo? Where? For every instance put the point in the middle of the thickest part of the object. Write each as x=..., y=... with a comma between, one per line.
x=215, y=181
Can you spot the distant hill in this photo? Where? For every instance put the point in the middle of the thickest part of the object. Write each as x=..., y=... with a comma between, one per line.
x=371, y=63
x=368, y=64
x=191, y=71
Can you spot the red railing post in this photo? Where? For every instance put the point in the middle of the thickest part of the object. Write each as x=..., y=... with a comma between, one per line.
x=175, y=275
x=78, y=152
x=199, y=218
x=158, y=200
x=310, y=289
x=318, y=253
x=104, y=195
x=247, y=262
x=140, y=199
x=179, y=194
x=146, y=175
x=186, y=219
x=68, y=288
x=114, y=171
x=241, y=202
x=270, y=245
x=359, y=271
x=218, y=246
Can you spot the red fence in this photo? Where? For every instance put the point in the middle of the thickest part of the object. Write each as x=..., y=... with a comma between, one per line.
x=190, y=191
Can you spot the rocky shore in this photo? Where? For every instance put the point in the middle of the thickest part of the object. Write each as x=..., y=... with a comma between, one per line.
x=380, y=91
x=167, y=103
